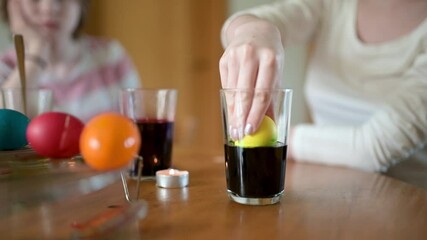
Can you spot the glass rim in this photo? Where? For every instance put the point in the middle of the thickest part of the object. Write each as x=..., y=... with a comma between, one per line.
x=10, y=89
x=148, y=89
x=27, y=88
x=285, y=90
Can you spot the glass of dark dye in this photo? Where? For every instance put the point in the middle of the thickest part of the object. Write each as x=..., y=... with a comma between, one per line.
x=255, y=175
x=153, y=111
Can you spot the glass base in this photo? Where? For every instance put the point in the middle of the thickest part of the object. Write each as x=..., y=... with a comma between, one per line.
x=142, y=178
x=255, y=201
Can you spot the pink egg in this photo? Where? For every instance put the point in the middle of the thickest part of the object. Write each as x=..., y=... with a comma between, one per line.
x=55, y=134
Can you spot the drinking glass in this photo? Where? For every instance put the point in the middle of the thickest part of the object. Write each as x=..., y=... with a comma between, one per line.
x=37, y=100
x=153, y=111
x=255, y=164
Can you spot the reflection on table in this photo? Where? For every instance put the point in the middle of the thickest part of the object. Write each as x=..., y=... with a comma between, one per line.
x=320, y=202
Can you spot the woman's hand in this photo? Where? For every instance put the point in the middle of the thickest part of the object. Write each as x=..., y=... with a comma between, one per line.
x=253, y=58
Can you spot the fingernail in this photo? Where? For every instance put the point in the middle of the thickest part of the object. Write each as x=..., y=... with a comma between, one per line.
x=234, y=134
x=241, y=133
x=248, y=129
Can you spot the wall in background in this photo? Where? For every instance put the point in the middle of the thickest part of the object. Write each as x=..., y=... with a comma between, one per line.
x=294, y=72
x=174, y=44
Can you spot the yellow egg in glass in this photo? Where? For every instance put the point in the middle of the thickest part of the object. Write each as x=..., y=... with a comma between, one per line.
x=265, y=135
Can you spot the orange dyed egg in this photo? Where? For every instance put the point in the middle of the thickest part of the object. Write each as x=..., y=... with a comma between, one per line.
x=109, y=141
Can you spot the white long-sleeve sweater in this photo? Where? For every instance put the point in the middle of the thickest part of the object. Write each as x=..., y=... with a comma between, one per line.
x=368, y=101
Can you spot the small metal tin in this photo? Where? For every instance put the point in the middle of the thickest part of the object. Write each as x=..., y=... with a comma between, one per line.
x=172, y=178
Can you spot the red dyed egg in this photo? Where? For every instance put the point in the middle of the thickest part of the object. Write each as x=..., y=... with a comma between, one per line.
x=55, y=134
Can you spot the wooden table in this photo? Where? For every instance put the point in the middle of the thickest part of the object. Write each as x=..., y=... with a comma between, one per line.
x=320, y=202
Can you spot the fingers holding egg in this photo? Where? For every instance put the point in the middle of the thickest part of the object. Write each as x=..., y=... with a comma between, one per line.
x=266, y=135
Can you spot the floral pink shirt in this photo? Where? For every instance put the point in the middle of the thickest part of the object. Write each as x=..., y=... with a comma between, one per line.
x=92, y=84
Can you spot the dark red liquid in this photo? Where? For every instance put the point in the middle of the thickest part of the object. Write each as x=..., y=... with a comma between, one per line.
x=156, y=146
x=255, y=172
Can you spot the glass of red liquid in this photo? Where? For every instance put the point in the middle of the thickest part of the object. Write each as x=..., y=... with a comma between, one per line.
x=153, y=111
x=255, y=161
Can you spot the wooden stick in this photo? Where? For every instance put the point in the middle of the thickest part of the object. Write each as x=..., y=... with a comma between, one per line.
x=20, y=56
